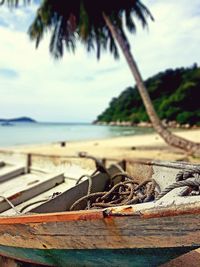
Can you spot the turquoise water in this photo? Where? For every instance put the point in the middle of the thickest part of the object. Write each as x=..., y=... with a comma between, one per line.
x=43, y=133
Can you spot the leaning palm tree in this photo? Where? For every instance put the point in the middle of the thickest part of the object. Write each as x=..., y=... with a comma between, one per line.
x=100, y=25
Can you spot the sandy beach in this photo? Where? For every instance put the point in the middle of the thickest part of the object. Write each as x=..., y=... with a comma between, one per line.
x=149, y=146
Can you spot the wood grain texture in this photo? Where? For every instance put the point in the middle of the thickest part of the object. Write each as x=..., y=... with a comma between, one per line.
x=35, y=201
x=109, y=232
x=26, y=187
x=64, y=201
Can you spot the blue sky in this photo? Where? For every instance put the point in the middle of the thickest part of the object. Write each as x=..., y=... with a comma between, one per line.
x=78, y=87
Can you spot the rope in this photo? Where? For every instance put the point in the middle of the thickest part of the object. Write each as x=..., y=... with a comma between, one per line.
x=125, y=192
x=32, y=203
x=193, y=183
x=185, y=174
x=98, y=194
x=10, y=204
x=89, y=184
x=189, y=178
x=55, y=194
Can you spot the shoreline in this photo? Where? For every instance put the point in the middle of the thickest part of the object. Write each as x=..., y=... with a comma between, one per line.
x=11, y=137
x=149, y=146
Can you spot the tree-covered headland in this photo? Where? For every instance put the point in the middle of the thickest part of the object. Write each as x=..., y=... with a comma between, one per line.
x=175, y=95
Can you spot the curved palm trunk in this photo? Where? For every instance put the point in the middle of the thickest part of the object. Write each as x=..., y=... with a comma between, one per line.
x=171, y=139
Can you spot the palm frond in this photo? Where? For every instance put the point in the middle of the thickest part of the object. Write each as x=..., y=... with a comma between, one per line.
x=70, y=21
x=14, y=3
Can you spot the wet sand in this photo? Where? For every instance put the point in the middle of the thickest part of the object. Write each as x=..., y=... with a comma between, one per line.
x=149, y=146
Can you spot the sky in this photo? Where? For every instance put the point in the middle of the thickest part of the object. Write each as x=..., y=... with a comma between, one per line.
x=78, y=87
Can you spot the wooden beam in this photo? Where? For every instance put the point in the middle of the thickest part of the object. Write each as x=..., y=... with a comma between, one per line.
x=64, y=201
x=93, y=231
x=35, y=201
x=10, y=172
x=32, y=189
x=28, y=163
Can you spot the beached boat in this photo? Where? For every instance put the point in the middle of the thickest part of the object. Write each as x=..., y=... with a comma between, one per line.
x=41, y=229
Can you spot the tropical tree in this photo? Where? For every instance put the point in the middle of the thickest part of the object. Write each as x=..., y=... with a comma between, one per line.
x=100, y=25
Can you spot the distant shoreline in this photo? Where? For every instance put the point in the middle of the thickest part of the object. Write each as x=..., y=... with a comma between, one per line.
x=44, y=134
x=19, y=119
x=144, y=124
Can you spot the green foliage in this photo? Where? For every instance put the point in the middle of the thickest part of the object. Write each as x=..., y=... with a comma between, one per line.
x=174, y=93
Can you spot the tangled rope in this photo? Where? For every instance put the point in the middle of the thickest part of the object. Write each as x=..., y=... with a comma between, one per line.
x=89, y=184
x=185, y=174
x=190, y=179
x=125, y=192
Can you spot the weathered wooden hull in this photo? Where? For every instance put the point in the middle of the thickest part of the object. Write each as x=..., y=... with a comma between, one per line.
x=97, y=238
x=145, y=234
x=95, y=257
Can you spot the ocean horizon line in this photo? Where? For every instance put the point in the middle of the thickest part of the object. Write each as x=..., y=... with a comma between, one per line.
x=51, y=132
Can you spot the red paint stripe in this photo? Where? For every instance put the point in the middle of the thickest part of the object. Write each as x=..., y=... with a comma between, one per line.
x=53, y=217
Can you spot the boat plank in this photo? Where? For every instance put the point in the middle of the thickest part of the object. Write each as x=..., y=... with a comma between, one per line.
x=21, y=182
x=44, y=195
x=110, y=232
x=9, y=172
x=26, y=187
x=64, y=201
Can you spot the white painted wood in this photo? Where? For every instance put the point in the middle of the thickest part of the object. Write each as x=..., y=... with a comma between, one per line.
x=9, y=171
x=64, y=201
x=27, y=186
x=45, y=195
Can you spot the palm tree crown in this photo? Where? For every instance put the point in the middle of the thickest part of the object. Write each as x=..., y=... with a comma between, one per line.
x=83, y=20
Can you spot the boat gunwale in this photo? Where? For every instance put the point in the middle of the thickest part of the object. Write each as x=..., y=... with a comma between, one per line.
x=98, y=214
x=130, y=210
x=161, y=163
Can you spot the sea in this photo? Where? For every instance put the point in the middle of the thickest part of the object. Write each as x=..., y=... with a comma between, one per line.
x=16, y=134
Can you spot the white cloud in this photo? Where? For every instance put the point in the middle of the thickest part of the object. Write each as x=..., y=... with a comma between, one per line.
x=78, y=87
x=172, y=40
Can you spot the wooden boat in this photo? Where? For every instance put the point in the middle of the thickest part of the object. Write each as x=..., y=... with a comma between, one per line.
x=146, y=234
